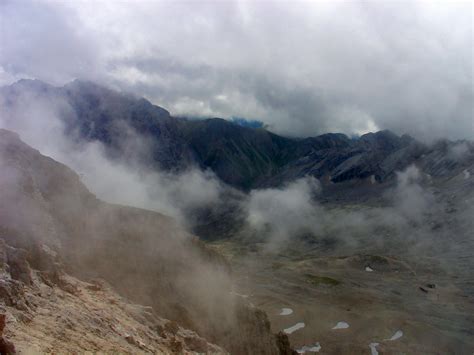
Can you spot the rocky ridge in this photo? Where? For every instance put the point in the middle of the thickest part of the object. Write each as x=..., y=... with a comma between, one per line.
x=145, y=256
x=45, y=310
x=134, y=130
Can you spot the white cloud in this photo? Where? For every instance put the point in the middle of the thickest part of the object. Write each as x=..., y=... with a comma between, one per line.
x=38, y=122
x=402, y=65
x=284, y=212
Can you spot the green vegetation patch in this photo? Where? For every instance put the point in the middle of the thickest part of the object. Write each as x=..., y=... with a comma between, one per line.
x=317, y=280
x=277, y=265
x=377, y=259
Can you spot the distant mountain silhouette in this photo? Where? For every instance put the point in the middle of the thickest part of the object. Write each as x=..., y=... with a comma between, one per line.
x=241, y=156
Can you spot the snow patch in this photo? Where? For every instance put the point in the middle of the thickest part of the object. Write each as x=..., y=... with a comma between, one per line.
x=368, y=269
x=239, y=294
x=373, y=348
x=309, y=348
x=294, y=328
x=341, y=325
x=286, y=312
x=398, y=334
x=467, y=174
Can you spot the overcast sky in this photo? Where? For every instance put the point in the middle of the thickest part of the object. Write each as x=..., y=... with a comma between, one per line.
x=304, y=68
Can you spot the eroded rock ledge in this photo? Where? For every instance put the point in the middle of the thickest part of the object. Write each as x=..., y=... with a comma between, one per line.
x=45, y=310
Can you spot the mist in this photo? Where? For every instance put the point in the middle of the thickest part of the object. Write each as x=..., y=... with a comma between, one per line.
x=147, y=257
x=276, y=214
x=40, y=123
x=284, y=212
x=162, y=149
x=403, y=220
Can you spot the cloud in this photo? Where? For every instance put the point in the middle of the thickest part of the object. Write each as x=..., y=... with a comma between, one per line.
x=39, y=122
x=303, y=70
x=411, y=200
x=286, y=212
x=279, y=216
x=47, y=41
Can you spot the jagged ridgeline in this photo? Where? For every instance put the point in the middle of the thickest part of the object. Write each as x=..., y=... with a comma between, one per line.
x=242, y=157
x=143, y=255
x=134, y=130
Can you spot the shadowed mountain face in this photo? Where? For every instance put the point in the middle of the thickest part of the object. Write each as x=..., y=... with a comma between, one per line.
x=242, y=157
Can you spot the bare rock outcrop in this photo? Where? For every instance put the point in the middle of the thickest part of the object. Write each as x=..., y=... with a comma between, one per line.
x=64, y=314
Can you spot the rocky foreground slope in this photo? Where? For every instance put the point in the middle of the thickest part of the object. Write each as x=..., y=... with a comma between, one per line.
x=46, y=310
x=143, y=255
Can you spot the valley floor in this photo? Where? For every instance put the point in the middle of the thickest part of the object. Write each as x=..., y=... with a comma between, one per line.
x=376, y=303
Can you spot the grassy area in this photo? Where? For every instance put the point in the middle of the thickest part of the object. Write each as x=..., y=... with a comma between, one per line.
x=277, y=265
x=317, y=280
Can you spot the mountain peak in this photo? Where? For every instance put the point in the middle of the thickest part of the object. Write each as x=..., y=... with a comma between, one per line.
x=31, y=84
x=241, y=156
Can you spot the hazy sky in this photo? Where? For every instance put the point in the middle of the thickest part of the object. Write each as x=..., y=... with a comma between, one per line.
x=302, y=67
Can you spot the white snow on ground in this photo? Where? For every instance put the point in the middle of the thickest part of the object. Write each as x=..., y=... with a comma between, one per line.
x=373, y=348
x=341, y=325
x=294, y=328
x=467, y=174
x=398, y=334
x=238, y=294
x=369, y=269
x=286, y=312
x=309, y=348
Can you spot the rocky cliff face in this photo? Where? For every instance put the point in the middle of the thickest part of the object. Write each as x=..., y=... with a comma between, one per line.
x=144, y=255
x=45, y=310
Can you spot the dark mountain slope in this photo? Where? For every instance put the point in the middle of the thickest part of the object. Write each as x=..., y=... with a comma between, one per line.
x=129, y=126
x=238, y=155
x=337, y=158
x=243, y=157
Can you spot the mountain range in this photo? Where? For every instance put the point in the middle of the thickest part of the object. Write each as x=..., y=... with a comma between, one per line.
x=242, y=157
x=384, y=244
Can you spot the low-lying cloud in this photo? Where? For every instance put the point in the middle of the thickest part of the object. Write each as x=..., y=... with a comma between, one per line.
x=281, y=215
x=285, y=212
x=39, y=121
x=277, y=214
x=411, y=200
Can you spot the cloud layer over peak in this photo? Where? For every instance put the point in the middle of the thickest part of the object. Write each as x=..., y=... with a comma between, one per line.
x=303, y=68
